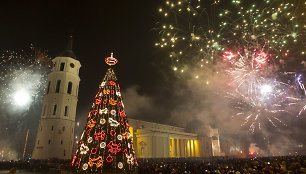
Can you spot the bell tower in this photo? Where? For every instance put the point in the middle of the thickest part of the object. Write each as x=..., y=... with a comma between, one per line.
x=55, y=133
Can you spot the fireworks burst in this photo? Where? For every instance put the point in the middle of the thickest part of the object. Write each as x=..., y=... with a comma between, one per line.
x=187, y=34
x=195, y=32
x=23, y=77
x=256, y=39
x=274, y=26
x=256, y=94
x=300, y=84
x=264, y=36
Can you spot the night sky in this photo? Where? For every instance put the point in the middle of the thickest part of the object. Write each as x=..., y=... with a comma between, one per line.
x=124, y=27
x=98, y=28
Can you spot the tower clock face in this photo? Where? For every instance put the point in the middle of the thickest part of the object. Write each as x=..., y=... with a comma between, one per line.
x=71, y=65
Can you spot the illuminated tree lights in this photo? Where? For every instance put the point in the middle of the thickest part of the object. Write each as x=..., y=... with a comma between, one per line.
x=106, y=144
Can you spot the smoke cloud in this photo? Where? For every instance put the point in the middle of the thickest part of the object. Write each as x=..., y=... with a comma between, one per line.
x=205, y=100
x=137, y=105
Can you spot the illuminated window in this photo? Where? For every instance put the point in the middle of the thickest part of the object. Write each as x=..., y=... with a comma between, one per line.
x=69, y=88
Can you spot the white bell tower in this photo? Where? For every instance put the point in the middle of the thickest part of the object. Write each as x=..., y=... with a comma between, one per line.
x=55, y=133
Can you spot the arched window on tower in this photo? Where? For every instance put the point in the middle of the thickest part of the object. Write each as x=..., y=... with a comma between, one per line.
x=69, y=88
x=58, y=86
x=62, y=66
x=66, y=111
x=48, y=88
x=54, y=109
x=44, y=110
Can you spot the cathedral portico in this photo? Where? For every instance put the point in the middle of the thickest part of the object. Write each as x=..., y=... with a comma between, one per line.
x=153, y=140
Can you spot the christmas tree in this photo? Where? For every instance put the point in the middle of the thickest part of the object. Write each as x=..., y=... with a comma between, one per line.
x=106, y=145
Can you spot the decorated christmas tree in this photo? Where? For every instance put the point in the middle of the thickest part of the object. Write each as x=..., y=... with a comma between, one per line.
x=106, y=145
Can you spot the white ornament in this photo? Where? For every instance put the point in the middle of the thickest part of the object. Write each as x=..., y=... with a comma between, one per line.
x=100, y=94
x=120, y=165
x=274, y=16
x=119, y=137
x=113, y=112
x=103, y=84
x=102, y=120
x=103, y=111
x=89, y=140
x=83, y=149
x=129, y=145
x=122, y=104
x=113, y=122
x=85, y=166
x=118, y=93
x=253, y=37
x=129, y=159
x=102, y=145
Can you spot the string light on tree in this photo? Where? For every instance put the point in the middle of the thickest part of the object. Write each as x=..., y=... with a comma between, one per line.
x=102, y=146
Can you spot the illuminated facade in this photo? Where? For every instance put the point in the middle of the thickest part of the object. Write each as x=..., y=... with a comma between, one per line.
x=55, y=133
x=153, y=140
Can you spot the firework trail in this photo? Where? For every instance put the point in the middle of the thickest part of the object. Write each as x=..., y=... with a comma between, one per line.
x=300, y=84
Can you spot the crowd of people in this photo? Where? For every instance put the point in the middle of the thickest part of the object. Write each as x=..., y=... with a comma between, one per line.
x=267, y=165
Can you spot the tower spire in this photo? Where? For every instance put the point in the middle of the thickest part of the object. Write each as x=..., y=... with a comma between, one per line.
x=70, y=41
x=68, y=52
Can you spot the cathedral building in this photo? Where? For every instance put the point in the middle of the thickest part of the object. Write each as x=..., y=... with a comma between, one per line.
x=154, y=140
